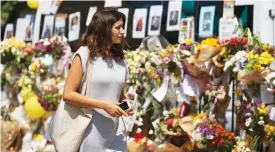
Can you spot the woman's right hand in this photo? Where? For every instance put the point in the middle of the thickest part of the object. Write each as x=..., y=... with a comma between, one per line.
x=113, y=109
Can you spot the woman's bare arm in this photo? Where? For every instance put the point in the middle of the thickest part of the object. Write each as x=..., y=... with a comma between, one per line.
x=70, y=94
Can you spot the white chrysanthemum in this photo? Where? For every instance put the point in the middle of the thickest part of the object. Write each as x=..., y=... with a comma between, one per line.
x=261, y=122
x=165, y=112
x=248, y=122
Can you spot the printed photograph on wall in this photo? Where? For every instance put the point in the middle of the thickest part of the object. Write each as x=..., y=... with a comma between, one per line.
x=206, y=21
x=8, y=31
x=173, y=18
x=173, y=15
x=48, y=26
x=74, y=26
x=155, y=23
x=139, y=22
x=60, y=25
x=155, y=19
x=29, y=27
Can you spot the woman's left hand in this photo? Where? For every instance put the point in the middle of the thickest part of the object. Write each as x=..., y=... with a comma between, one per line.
x=130, y=111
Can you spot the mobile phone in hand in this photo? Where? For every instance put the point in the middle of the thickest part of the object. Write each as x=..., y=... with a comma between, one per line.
x=124, y=105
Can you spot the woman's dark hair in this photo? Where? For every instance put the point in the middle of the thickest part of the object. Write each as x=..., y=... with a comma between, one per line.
x=98, y=35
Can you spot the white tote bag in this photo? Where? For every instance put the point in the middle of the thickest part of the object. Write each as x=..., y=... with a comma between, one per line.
x=69, y=123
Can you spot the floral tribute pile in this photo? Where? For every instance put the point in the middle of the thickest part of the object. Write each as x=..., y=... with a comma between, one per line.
x=32, y=83
x=174, y=86
x=180, y=94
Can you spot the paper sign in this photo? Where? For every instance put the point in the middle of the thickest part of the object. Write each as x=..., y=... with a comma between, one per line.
x=173, y=15
x=187, y=28
x=147, y=103
x=226, y=28
x=139, y=23
x=155, y=19
x=272, y=114
x=125, y=11
x=92, y=11
x=206, y=22
x=160, y=94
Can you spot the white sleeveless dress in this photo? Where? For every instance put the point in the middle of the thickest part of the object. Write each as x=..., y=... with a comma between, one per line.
x=105, y=133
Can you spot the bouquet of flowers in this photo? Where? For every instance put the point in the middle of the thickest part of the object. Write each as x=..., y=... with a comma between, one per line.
x=258, y=60
x=37, y=67
x=53, y=45
x=51, y=96
x=207, y=49
x=12, y=52
x=241, y=146
x=209, y=135
x=254, y=119
x=170, y=124
x=187, y=45
x=234, y=44
x=236, y=63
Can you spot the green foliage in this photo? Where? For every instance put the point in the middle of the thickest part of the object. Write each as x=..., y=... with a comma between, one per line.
x=7, y=8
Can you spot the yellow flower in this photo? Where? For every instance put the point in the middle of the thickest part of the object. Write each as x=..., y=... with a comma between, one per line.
x=200, y=116
x=37, y=137
x=263, y=106
x=58, y=79
x=258, y=68
x=265, y=47
x=265, y=58
x=261, y=118
x=199, y=47
x=223, y=52
x=33, y=67
x=250, y=55
x=188, y=41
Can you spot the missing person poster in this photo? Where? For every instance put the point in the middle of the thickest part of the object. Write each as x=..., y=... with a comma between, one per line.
x=139, y=23
x=155, y=19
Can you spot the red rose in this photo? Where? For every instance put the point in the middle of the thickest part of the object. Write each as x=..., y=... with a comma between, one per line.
x=169, y=122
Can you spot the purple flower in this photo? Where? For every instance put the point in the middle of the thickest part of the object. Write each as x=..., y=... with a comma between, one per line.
x=185, y=47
